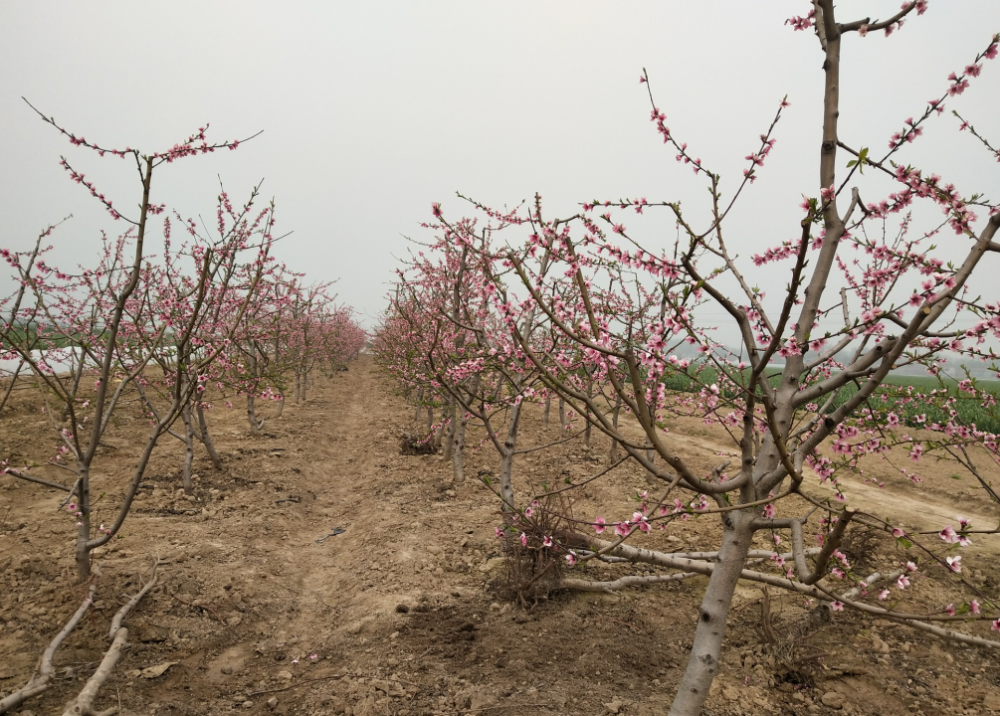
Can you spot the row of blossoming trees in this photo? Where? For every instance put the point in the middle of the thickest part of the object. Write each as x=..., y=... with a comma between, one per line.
x=167, y=316
x=503, y=308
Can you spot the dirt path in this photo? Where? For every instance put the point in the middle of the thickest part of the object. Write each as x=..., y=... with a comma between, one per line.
x=914, y=507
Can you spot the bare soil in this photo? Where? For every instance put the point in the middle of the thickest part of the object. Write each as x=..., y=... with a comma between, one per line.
x=403, y=613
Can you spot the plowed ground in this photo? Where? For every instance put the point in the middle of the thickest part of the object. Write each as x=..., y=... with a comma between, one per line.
x=405, y=612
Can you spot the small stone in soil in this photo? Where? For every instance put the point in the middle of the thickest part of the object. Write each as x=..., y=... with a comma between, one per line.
x=833, y=700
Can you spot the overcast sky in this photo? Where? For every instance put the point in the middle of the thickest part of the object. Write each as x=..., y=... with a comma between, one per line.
x=373, y=110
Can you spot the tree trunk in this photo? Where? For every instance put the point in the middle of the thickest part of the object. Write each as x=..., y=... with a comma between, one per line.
x=587, y=430
x=562, y=414
x=305, y=378
x=613, y=457
x=256, y=426
x=419, y=400
x=703, y=664
x=281, y=405
x=206, y=439
x=548, y=407
x=188, y=450
x=458, y=458
x=507, y=461
x=449, y=432
x=650, y=452
x=83, y=525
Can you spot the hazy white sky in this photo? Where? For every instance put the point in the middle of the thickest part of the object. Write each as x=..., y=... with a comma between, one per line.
x=373, y=110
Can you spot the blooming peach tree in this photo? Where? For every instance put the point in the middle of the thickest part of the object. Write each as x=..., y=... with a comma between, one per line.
x=803, y=405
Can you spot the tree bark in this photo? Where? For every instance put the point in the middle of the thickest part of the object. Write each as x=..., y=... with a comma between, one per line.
x=614, y=422
x=256, y=426
x=206, y=439
x=449, y=432
x=188, y=449
x=507, y=461
x=418, y=407
x=458, y=458
x=703, y=664
x=83, y=525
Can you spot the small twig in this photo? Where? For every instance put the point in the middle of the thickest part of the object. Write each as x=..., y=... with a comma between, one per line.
x=72, y=493
x=292, y=686
x=38, y=480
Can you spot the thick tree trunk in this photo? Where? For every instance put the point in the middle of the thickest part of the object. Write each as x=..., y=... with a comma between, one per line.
x=562, y=414
x=548, y=407
x=703, y=664
x=281, y=405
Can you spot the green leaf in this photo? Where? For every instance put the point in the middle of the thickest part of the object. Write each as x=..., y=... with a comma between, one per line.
x=862, y=158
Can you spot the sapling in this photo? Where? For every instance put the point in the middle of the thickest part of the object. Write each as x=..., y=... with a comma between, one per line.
x=104, y=313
